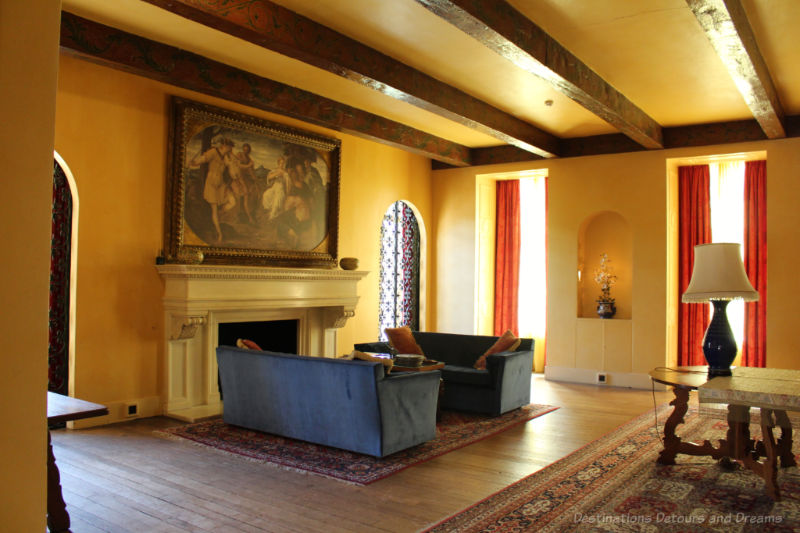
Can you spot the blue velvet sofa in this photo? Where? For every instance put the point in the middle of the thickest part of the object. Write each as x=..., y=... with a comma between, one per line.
x=504, y=385
x=340, y=403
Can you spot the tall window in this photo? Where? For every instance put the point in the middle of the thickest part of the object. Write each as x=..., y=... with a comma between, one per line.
x=520, y=301
x=726, y=197
x=399, y=273
x=62, y=275
x=727, y=205
x=532, y=309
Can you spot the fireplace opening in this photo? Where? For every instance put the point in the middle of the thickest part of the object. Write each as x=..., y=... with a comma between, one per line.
x=272, y=335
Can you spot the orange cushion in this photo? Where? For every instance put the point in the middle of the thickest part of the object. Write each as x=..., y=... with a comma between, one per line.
x=508, y=342
x=402, y=340
x=247, y=344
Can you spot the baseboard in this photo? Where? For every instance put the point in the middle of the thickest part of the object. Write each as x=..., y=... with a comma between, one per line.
x=588, y=376
x=118, y=412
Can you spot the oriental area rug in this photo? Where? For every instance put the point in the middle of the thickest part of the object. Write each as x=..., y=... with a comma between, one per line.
x=453, y=431
x=614, y=484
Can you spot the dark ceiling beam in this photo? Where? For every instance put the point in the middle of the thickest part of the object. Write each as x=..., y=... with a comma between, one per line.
x=276, y=28
x=674, y=137
x=726, y=26
x=143, y=57
x=505, y=30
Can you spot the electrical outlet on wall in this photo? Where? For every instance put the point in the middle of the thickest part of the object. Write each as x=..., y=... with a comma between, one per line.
x=602, y=378
x=131, y=409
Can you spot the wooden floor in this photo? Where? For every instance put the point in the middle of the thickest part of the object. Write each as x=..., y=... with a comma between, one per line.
x=120, y=478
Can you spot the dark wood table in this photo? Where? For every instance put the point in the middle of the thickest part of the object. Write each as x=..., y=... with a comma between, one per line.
x=62, y=409
x=737, y=445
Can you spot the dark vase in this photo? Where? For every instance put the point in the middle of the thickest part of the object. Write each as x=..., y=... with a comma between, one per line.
x=606, y=309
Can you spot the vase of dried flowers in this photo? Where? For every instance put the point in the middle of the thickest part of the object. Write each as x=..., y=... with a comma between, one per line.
x=605, y=277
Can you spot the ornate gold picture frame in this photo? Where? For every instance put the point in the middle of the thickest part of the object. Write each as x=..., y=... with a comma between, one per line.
x=242, y=190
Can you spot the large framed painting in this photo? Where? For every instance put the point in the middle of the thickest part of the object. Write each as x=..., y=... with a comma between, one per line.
x=243, y=190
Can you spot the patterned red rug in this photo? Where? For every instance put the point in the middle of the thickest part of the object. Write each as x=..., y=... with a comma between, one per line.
x=614, y=484
x=453, y=431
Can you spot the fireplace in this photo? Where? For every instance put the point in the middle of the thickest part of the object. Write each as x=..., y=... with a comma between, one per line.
x=272, y=335
x=202, y=301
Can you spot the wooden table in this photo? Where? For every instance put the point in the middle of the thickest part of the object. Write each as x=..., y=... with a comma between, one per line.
x=61, y=409
x=746, y=388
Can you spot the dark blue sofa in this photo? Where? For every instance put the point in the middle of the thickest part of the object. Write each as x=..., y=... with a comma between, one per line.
x=504, y=385
x=344, y=404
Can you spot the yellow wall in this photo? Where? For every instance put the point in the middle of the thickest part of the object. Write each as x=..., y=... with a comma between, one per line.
x=28, y=62
x=635, y=186
x=111, y=129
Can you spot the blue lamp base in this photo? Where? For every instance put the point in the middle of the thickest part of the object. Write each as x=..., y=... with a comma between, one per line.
x=719, y=345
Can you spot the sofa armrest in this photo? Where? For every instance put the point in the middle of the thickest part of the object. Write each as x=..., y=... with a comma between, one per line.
x=504, y=363
x=512, y=374
x=408, y=409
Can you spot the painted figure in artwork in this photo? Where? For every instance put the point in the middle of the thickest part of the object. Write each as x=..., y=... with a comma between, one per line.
x=277, y=186
x=240, y=168
x=216, y=190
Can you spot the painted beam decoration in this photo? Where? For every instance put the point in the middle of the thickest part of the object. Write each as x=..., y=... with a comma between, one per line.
x=509, y=33
x=274, y=27
x=726, y=26
x=143, y=57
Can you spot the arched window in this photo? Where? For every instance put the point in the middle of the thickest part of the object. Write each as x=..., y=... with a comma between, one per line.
x=400, y=270
x=62, y=276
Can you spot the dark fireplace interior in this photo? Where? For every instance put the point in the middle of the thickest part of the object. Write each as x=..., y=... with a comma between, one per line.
x=272, y=335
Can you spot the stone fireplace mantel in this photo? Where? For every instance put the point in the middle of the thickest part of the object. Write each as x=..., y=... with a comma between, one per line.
x=197, y=298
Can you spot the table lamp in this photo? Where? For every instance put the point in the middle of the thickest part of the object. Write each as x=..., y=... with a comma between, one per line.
x=718, y=277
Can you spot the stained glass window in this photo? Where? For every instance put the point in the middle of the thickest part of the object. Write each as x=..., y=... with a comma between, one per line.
x=399, y=272
x=60, y=266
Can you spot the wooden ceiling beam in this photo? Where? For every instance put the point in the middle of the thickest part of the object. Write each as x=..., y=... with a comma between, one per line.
x=500, y=27
x=276, y=28
x=143, y=57
x=726, y=26
x=674, y=137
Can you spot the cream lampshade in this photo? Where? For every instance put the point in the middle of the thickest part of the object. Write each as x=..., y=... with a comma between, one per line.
x=718, y=276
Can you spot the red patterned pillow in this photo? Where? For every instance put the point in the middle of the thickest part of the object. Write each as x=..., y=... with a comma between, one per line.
x=402, y=340
x=248, y=345
x=508, y=342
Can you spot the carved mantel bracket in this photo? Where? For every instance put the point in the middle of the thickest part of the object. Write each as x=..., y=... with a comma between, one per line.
x=336, y=317
x=185, y=327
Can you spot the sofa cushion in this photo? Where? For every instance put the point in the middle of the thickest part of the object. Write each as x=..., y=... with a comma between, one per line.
x=466, y=375
x=402, y=340
x=247, y=344
x=508, y=342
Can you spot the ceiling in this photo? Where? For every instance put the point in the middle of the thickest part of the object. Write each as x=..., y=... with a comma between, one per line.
x=474, y=81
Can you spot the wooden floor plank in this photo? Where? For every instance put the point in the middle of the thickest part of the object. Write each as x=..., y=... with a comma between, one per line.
x=122, y=477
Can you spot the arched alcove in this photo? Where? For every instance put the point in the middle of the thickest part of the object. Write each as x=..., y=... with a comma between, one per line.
x=605, y=232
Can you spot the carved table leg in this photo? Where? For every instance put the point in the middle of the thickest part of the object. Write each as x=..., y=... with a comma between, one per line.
x=57, y=516
x=785, y=442
x=671, y=441
x=769, y=468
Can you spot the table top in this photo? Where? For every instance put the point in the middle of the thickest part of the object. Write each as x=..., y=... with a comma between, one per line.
x=62, y=408
x=772, y=388
x=685, y=377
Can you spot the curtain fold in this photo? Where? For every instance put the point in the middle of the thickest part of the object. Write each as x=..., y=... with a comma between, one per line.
x=507, y=252
x=695, y=228
x=754, y=347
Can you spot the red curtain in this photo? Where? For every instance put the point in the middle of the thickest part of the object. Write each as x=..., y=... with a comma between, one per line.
x=695, y=228
x=754, y=348
x=506, y=273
